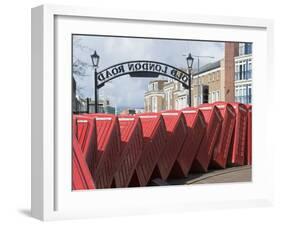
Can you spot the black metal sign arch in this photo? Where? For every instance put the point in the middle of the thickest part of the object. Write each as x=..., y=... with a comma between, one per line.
x=140, y=69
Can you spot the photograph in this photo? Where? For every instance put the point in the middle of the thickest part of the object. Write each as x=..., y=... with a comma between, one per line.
x=160, y=112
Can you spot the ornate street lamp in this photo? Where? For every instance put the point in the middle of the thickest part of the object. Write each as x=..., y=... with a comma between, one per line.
x=189, y=61
x=95, y=60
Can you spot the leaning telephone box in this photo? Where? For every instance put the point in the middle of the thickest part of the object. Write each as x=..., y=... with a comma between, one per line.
x=196, y=129
x=236, y=156
x=108, y=149
x=248, y=154
x=222, y=146
x=155, y=137
x=176, y=134
x=213, y=119
x=84, y=128
x=81, y=176
x=131, y=145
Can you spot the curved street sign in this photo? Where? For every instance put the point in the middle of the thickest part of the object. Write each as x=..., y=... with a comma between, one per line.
x=142, y=68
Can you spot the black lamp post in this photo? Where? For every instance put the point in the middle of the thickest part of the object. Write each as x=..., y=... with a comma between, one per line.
x=189, y=61
x=95, y=60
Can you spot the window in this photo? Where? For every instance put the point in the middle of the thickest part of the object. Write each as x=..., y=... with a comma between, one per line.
x=154, y=104
x=250, y=70
x=218, y=95
x=213, y=97
x=195, y=100
x=248, y=48
x=169, y=100
x=244, y=70
x=245, y=48
x=250, y=94
x=243, y=93
x=240, y=71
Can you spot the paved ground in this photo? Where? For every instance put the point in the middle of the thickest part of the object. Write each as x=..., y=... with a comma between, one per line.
x=233, y=174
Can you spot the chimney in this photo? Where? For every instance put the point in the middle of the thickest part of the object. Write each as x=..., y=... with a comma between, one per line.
x=231, y=50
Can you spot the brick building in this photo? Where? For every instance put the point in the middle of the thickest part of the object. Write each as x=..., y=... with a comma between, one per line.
x=243, y=74
x=217, y=79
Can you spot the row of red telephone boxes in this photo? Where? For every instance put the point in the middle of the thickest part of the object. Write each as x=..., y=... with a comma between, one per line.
x=131, y=150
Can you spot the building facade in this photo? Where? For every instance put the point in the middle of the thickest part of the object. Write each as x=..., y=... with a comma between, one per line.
x=213, y=82
x=154, y=97
x=206, y=85
x=243, y=74
x=83, y=105
x=165, y=95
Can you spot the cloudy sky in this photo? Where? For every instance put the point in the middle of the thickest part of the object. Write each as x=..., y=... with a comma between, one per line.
x=125, y=91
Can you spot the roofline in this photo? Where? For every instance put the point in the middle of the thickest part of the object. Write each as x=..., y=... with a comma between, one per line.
x=216, y=63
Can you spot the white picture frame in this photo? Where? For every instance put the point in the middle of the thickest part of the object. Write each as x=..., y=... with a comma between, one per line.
x=52, y=197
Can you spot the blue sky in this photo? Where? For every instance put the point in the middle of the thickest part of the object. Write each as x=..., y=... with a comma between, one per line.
x=125, y=91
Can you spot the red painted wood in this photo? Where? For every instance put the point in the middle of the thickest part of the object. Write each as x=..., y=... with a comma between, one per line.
x=108, y=151
x=238, y=145
x=155, y=138
x=176, y=130
x=132, y=146
x=81, y=176
x=222, y=147
x=84, y=128
x=213, y=119
x=196, y=129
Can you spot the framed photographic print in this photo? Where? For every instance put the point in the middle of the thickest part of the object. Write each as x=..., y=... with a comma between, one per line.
x=144, y=113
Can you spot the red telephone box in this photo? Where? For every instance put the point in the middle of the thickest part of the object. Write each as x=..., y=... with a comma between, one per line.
x=213, y=119
x=196, y=129
x=176, y=134
x=155, y=137
x=81, y=176
x=108, y=151
x=84, y=128
x=131, y=145
x=238, y=147
x=222, y=146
